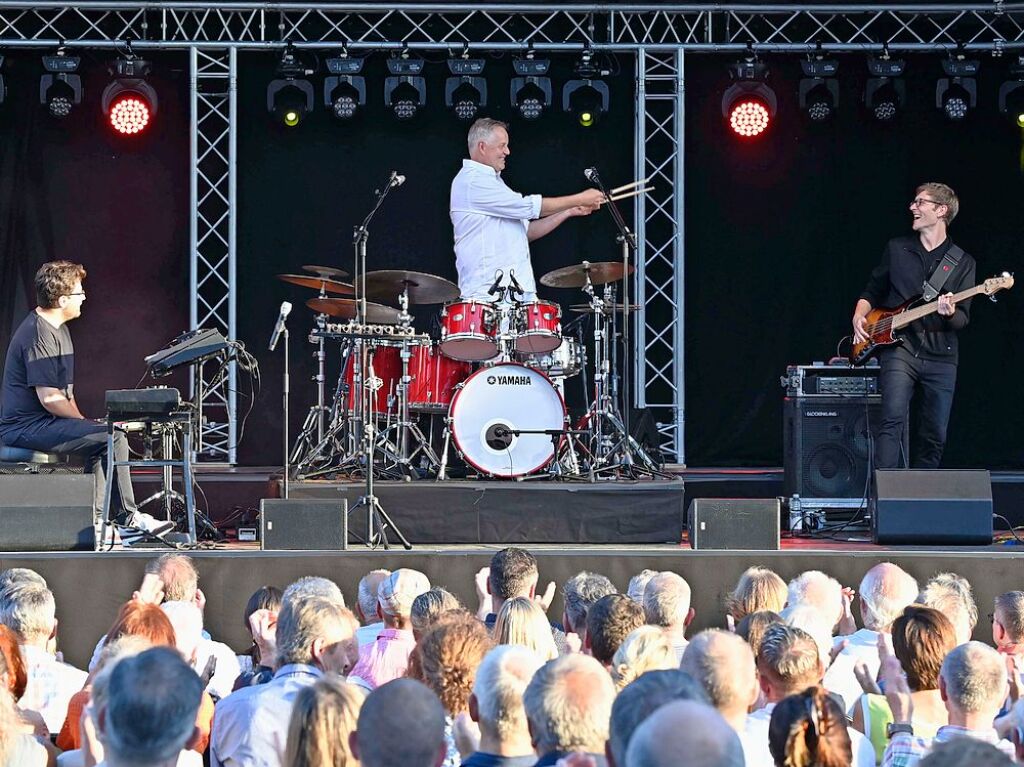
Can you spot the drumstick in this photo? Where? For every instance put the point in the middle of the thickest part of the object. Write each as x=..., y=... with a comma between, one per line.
x=627, y=195
x=624, y=187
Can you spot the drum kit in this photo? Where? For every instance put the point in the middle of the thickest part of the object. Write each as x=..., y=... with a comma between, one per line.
x=488, y=389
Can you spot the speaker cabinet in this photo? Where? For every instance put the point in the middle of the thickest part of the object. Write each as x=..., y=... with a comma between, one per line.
x=299, y=524
x=46, y=512
x=750, y=524
x=826, y=445
x=933, y=507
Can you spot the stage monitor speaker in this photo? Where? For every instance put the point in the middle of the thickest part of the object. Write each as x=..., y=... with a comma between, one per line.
x=300, y=524
x=46, y=512
x=826, y=445
x=933, y=507
x=734, y=523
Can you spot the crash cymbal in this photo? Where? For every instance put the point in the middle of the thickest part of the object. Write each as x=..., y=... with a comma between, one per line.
x=326, y=271
x=386, y=284
x=606, y=309
x=345, y=309
x=575, y=276
x=331, y=286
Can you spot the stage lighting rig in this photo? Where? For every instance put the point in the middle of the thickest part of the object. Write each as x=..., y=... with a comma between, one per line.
x=586, y=98
x=530, y=91
x=60, y=88
x=290, y=95
x=749, y=104
x=819, y=89
x=1011, y=94
x=466, y=92
x=956, y=94
x=344, y=88
x=405, y=91
x=885, y=92
x=129, y=102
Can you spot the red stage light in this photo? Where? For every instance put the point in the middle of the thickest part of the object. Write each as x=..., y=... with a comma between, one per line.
x=749, y=118
x=129, y=114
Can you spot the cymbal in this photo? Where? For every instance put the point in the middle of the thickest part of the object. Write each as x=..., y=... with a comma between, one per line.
x=345, y=309
x=386, y=284
x=326, y=271
x=331, y=286
x=575, y=276
x=607, y=309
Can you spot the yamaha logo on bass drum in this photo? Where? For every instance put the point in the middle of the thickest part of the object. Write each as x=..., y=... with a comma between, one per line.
x=510, y=380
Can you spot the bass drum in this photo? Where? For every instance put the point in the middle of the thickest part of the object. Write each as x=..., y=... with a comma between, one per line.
x=497, y=400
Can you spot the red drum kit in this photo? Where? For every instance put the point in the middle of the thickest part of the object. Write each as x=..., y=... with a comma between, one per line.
x=495, y=377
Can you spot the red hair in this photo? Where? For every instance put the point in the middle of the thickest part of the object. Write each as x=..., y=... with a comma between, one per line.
x=142, y=620
x=17, y=677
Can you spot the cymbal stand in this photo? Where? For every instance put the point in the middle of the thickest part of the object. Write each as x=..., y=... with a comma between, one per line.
x=310, y=442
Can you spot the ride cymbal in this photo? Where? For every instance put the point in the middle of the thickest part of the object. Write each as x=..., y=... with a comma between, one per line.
x=575, y=276
x=345, y=309
x=387, y=284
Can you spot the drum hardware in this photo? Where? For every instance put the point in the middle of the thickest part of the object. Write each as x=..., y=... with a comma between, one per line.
x=352, y=328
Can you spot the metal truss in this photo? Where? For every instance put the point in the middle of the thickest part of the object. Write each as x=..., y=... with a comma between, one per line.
x=212, y=273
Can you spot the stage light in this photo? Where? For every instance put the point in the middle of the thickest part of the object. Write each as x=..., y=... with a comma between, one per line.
x=586, y=98
x=1011, y=94
x=749, y=105
x=129, y=102
x=290, y=95
x=344, y=88
x=956, y=94
x=405, y=91
x=466, y=92
x=530, y=91
x=819, y=91
x=885, y=92
x=60, y=89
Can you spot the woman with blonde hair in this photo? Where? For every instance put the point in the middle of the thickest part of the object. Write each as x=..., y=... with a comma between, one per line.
x=324, y=715
x=522, y=622
x=647, y=648
x=758, y=590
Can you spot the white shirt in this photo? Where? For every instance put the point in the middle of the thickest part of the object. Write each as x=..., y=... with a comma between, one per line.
x=228, y=667
x=491, y=223
x=250, y=726
x=51, y=684
x=861, y=645
x=757, y=740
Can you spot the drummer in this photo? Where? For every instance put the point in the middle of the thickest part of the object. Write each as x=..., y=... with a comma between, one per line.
x=494, y=225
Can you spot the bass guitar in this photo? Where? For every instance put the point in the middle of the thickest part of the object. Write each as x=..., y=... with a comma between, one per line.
x=882, y=323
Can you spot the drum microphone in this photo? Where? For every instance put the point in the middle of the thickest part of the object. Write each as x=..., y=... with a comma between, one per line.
x=591, y=175
x=397, y=179
x=286, y=307
x=516, y=287
x=496, y=287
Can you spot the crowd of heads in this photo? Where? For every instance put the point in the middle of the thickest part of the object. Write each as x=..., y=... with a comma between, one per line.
x=413, y=678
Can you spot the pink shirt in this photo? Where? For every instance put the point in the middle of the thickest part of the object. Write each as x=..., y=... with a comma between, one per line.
x=384, y=659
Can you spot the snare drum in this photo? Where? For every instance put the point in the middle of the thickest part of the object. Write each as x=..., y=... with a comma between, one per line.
x=469, y=331
x=564, y=362
x=538, y=327
x=387, y=370
x=434, y=378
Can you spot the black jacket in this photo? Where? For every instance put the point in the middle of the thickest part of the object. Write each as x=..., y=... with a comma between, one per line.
x=900, y=276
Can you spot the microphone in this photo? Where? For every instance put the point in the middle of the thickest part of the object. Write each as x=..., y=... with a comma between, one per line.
x=496, y=287
x=286, y=307
x=516, y=287
x=397, y=179
x=591, y=175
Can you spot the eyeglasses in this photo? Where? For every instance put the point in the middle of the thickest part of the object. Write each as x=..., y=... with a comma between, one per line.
x=919, y=201
x=79, y=293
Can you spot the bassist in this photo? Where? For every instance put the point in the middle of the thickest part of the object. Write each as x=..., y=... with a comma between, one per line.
x=924, y=365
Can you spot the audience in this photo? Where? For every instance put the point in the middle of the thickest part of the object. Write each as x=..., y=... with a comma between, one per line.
x=1008, y=624
x=684, y=727
x=610, y=620
x=513, y=573
x=751, y=628
x=667, y=604
x=521, y=622
x=578, y=594
x=366, y=606
x=952, y=596
x=822, y=592
x=323, y=718
x=428, y=607
x=496, y=705
x=401, y=724
x=18, y=745
x=758, y=590
x=568, y=707
x=645, y=649
x=258, y=663
x=638, y=584
x=966, y=752
x=809, y=730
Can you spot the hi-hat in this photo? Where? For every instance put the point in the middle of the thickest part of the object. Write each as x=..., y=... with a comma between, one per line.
x=575, y=276
x=386, y=284
x=318, y=283
x=326, y=271
x=345, y=309
x=606, y=309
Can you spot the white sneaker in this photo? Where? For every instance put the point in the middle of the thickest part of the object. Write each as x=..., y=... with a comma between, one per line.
x=147, y=523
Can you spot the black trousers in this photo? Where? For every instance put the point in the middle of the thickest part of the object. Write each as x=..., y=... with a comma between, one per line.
x=902, y=378
x=88, y=439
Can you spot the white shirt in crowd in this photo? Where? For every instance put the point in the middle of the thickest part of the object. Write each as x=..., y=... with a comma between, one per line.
x=491, y=223
x=862, y=645
x=51, y=683
x=756, y=740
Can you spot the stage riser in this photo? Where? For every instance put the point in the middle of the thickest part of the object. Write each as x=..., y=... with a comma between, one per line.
x=90, y=587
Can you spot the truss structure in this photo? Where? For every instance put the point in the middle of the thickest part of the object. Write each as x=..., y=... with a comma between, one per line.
x=659, y=36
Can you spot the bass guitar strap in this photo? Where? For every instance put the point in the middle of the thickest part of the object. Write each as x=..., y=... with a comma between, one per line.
x=933, y=285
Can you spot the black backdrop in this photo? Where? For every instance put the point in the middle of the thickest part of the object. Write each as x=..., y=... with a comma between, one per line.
x=780, y=234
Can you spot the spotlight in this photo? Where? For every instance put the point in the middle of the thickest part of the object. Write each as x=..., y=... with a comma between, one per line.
x=819, y=91
x=957, y=93
x=60, y=88
x=530, y=91
x=1011, y=94
x=466, y=92
x=129, y=102
x=749, y=104
x=344, y=89
x=586, y=98
x=290, y=95
x=405, y=91
x=885, y=92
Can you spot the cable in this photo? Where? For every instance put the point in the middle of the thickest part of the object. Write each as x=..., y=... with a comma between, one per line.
x=1010, y=528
